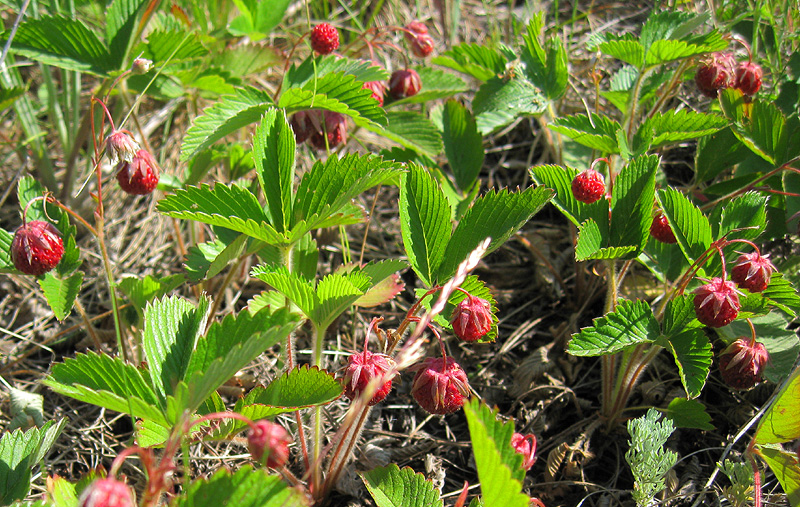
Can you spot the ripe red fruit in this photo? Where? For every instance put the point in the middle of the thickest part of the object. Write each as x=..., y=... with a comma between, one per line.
x=417, y=36
x=416, y=28
x=742, y=362
x=269, y=444
x=36, y=248
x=302, y=125
x=717, y=303
x=440, y=385
x=660, y=229
x=378, y=90
x=362, y=368
x=752, y=271
x=472, y=318
x=526, y=446
x=588, y=186
x=107, y=492
x=748, y=77
x=335, y=126
x=715, y=73
x=324, y=39
x=140, y=175
x=404, y=83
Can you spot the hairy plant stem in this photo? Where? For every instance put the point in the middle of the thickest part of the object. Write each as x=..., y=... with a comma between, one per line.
x=609, y=361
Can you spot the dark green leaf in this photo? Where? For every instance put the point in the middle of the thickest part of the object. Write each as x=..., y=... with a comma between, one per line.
x=679, y=315
x=463, y=144
x=500, y=101
x=273, y=151
x=692, y=352
x=598, y=133
x=140, y=291
x=781, y=343
x=60, y=293
x=245, y=488
x=631, y=323
x=411, y=130
x=392, y=487
x=632, y=203
x=718, y=152
x=476, y=60
x=303, y=386
x=121, y=20
x=690, y=226
x=674, y=126
x=686, y=413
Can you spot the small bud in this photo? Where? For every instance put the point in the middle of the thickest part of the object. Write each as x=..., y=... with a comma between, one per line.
x=588, y=186
x=120, y=145
x=141, y=66
x=472, y=318
x=362, y=368
x=526, y=446
x=404, y=83
x=140, y=175
x=716, y=304
x=37, y=248
x=107, y=492
x=269, y=444
x=752, y=271
x=440, y=386
x=742, y=362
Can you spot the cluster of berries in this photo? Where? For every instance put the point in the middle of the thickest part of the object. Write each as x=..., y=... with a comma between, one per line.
x=720, y=70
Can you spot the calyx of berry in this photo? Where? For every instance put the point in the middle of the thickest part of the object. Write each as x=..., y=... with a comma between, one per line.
x=324, y=39
x=106, y=492
x=472, y=318
x=752, y=271
x=364, y=367
x=37, y=247
x=440, y=386
x=715, y=73
x=742, y=362
x=526, y=446
x=404, y=83
x=716, y=304
x=121, y=146
x=139, y=176
x=588, y=186
x=269, y=443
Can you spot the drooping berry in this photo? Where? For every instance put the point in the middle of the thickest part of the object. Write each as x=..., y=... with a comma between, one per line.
x=472, y=318
x=440, y=385
x=417, y=36
x=334, y=127
x=715, y=73
x=526, y=446
x=404, y=83
x=716, y=304
x=378, y=90
x=121, y=146
x=140, y=175
x=269, y=444
x=748, y=77
x=752, y=271
x=588, y=186
x=742, y=362
x=362, y=368
x=36, y=248
x=302, y=125
x=661, y=230
x=324, y=39
x=107, y=492
x=416, y=28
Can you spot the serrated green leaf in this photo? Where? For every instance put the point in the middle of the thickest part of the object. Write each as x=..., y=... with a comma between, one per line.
x=150, y=434
x=424, y=222
x=675, y=126
x=630, y=324
x=692, y=352
x=140, y=291
x=412, y=130
x=476, y=60
x=298, y=76
x=291, y=285
x=26, y=408
x=664, y=51
x=303, y=386
x=491, y=441
x=336, y=294
x=107, y=382
x=628, y=50
x=62, y=42
x=224, y=117
x=779, y=423
x=392, y=487
x=60, y=293
x=61, y=492
x=245, y=488
x=436, y=84
x=678, y=315
x=545, y=63
x=786, y=469
x=691, y=227
x=686, y=413
x=273, y=152
x=172, y=46
x=759, y=125
x=210, y=258
x=475, y=287
x=497, y=215
x=19, y=453
x=121, y=20
x=9, y=95
x=463, y=144
x=782, y=295
x=499, y=101
x=745, y=217
x=598, y=133
x=6, y=264
x=171, y=331
x=718, y=152
x=590, y=240
x=632, y=204
x=386, y=283
x=560, y=179
x=260, y=20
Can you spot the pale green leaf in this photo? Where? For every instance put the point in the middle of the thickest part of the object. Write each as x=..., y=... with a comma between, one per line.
x=664, y=51
x=590, y=240
x=60, y=293
x=19, y=453
x=172, y=46
x=476, y=60
x=744, y=217
x=630, y=324
x=336, y=294
x=26, y=408
x=692, y=352
x=675, y=126
x=245, y=488
x=291, y=285
x=499, y=101
x=140, y=291
x=463, y=144
x=628, y=50
x=209, y=259
x=597, y=132
x=412, y=130
x=786, y=469
x=424, y=221
x=6, y=264
x=779, y=423
x=781, y=343
x=691, y=227
x=392, y=487
x=436, y=84
x=545, y=63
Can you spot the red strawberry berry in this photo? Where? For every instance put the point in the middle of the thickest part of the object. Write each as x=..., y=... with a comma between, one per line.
x=269, y=444
x=661, y=230
x=588, y=186
x=440, y=385
x=416, y=28
x=417, y=36
x=742, y=362
x=752, y=271
x=302, y=125
x=140, y=175
x=404, y=83
x=362, y=368
x=36, y=248
x=748, y=77
x=378, y=90
x=716, y=73
x=107, y=492
x=526, y=446
x=472, y=318
x=324, y=39
x=334, y=126
x=717, y=303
